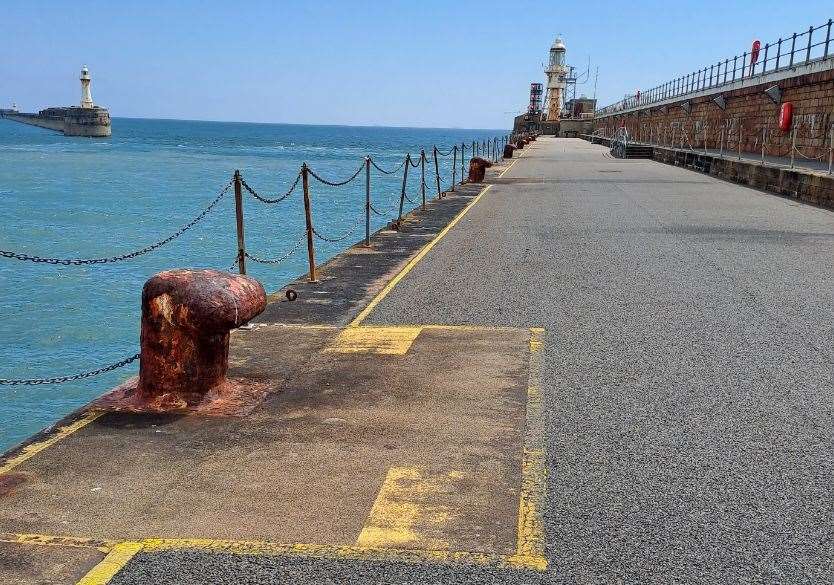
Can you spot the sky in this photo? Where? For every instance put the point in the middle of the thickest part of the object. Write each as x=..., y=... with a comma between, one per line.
x=420, y=63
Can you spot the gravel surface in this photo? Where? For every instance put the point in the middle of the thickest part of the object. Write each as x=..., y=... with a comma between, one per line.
x=687, y=375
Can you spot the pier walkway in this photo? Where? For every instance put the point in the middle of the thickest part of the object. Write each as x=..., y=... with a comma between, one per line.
x=589, y=370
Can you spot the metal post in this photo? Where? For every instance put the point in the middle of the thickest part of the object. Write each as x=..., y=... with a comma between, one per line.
x=739, y=140
x=455, y=164
x=721, y=148
x=436, y=172
x=462, y=165
x=367, y=201
x=827, y=38
x=308, y=218
x=705, y=137
x=793, y=146
x=402, y=191
x=793, y=48
x=423, y=176
x=241, y=247
x=808, y=53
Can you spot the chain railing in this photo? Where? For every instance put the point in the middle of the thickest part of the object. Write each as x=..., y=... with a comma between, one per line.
x=803, y=48
x=310, y=231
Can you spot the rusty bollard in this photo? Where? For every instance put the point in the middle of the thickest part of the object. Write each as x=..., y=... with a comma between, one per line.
x=186, y=319
x=477, y=169
x=508, y=150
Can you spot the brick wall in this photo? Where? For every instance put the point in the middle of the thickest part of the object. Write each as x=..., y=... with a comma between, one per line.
x=749, y=114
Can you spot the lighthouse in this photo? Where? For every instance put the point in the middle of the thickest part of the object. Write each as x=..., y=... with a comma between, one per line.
x=86, y=98
x=556, y=71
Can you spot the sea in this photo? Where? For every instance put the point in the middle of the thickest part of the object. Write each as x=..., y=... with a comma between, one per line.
x=64, y=197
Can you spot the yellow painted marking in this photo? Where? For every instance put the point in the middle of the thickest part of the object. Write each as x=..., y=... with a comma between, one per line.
x=413, y=262
x=33, y=449
x=407, y=512
x=61, y=541
x=512, y=164
x=117, y=558
x=378, y=340
x=530, y=541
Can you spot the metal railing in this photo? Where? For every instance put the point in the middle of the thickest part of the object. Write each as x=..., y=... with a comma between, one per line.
x=810, y=46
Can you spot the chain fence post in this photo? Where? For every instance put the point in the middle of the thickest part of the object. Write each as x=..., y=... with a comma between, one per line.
x=402, y=191
x=367, y=201
x=721, y=148
x=308, y=218
x=241, y=246
x=739, y=140
x=423, y=176
x=462, y=157
x=436, y=172
x=455, y=165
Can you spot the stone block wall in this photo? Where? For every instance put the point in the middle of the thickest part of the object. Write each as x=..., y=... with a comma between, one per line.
x=749, y=118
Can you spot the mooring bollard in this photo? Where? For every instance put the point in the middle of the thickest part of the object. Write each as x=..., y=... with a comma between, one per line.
x=508, y=150
x=477, y=169
x=186, y=319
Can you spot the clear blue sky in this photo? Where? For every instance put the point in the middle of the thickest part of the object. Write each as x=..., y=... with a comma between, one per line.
x=461, y=63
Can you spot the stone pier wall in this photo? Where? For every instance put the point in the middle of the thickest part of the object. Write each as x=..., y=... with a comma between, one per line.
x=749, y=115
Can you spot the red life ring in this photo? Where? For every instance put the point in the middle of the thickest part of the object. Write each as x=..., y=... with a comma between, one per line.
x=786, y=117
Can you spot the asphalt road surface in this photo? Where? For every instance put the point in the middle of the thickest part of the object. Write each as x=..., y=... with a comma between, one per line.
x=687, y=368
x=687, y=375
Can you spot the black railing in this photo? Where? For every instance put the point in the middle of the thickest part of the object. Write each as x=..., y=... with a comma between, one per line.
x=815, y=44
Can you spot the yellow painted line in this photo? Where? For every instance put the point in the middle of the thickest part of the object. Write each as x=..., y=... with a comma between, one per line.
x=408, y=510
x=377, y=340
x=413, y=262
x=512, y=164
x=530, y=531
x=117, y=558
x=33, y=449
x=324, y=551
x=59, y=541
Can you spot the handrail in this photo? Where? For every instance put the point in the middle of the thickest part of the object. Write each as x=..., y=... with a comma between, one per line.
x=803, y=49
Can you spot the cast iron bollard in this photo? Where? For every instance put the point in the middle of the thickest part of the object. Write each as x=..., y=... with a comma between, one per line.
x=186, y=319
x=477, y=169
x=508, y=150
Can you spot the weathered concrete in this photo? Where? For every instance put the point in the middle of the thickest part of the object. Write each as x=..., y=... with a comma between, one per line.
x=73, y=121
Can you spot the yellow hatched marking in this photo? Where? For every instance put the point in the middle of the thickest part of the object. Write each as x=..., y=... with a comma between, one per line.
x=33, y=449
x=378, y=340
x=413, y=262
x=60, y=541
x=117, y=558
x=406, y=512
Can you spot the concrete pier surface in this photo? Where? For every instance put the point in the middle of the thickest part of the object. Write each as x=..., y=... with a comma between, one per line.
x=588, y=370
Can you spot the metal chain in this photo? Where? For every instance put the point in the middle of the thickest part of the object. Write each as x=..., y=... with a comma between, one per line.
x=343, y=236
x=145, y=250
x=336, y=183
x=383, y=171
x=274, y=261
x=276, y=199
x=386, y=211
x=62, y=379
x=441, y=153
x=415, y=164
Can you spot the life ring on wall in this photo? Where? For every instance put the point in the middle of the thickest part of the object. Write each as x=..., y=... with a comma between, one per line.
x=786, y=117
x=754, y=52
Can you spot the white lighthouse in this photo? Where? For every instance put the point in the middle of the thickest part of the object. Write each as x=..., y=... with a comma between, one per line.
x=86, y=98
x=556, y=71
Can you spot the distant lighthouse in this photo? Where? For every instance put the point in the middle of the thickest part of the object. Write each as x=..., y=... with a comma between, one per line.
x=86, y=97
x=556, y=72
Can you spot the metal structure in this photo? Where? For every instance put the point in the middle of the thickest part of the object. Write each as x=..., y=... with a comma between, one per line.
x=810, y=46
x=535, y=106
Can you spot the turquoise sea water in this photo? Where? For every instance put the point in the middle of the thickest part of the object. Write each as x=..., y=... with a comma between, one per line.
x=77, y=197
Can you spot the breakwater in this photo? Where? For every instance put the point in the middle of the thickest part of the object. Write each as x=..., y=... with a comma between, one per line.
x=138, y=188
